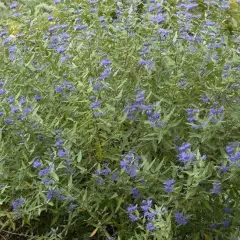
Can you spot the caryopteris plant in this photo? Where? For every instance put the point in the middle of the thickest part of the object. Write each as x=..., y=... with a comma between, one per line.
x=119, y=120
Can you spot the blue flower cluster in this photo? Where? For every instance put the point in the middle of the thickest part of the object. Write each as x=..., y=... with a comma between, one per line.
x=147, y=212
x=185, y=155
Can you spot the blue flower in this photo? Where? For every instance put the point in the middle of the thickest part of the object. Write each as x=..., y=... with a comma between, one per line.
x=140, y=96
x=14, y=109
x=131, y=209
x=2, y=91
x=180, y=219
x=27, y=110
x=159, y=18
x=17, y=203
x=80, y=27
x=168, y=185
x=14, y=5
x=224, y=168
x=182, y=83
x=50, y=18
x=216, y=188
x=37, y=97
x=226, y=223
x=150, y=227
x=51, y=194
x=188, y=7
x=184, y=147
x=37, y=163
x=72, y=206
x=47, y=181
x=61, y=49
x=114, y=176
x=22, y=100
x=186, y=157
x=227, y=210
x=61, y=153
x=135, y=193
x=105, y=62
x=58, y=89
x=45, y=171
x=96, y=104
x=9, y=121
x=59, y=142
x=146, y=204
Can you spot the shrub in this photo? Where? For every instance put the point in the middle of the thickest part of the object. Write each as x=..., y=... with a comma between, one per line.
x=119, y=120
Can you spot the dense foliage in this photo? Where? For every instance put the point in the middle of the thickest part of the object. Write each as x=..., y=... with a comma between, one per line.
x=119, y=119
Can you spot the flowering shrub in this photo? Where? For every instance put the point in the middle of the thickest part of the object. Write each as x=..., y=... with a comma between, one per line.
x=119, y=119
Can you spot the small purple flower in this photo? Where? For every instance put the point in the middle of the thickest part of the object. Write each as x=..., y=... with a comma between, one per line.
x=114, y=176
x=45, y=171
x=12, y=49
x=181, y=219
x=17, y=203
x=131, y=209
x=96, y=104
x=80, y=27
x=184, y=147
x=105, y=171
x=182, y=83
x=9, y=121
x=56, y=1
x=150, y=227
x=185, y=157
x=227, y=210
x=72, y=206
x=22, y=101
x=2, y=91
x=133, y=218
x=59, y=142
x=61, y=49
x=229, y=149
x=135, y=193
x=58, y=89
x=224, y=168
x=168, y=185
x=10, y=99
x=50, y=18
x=27, y=110
x=51, y=194
x=47, y=181
x=14, y=109
x=61, y=153
x=14, y=5
x=105, y=74
x=101, y=19
x=105, y=62
x=146, y=204
x=36, y=163
x=226, y=223
x=159, y=18
x=65, y=36
x=216, y=188
x=37, y=97
x=206, y=99
x=140, y=96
